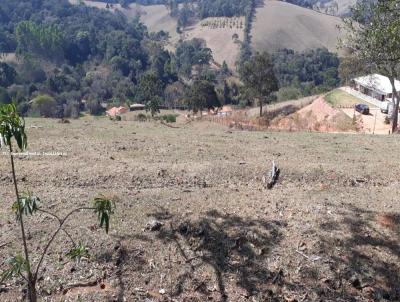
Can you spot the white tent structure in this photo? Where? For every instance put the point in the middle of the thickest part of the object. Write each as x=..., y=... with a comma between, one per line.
x=376, y=86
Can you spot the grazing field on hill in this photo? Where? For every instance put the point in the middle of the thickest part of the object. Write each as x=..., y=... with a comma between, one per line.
x=329, y=230
x=282, y=25
x=222, y=35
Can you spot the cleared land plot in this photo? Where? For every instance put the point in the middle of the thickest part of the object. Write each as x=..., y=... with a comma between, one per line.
x=282, y=25
x=329, y=230
x=219, y=34
x=340, y=98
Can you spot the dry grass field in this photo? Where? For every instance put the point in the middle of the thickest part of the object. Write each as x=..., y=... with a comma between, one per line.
x=328, y=231
x=283, y=25
x=219, y=36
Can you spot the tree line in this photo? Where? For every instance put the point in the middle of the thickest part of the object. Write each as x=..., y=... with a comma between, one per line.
x=74, y=58
x=69, y=53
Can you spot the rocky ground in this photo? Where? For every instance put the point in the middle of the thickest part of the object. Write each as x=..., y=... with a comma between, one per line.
x=194, y=221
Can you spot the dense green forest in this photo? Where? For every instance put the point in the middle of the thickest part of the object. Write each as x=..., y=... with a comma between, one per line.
x=306, y=73
x=71, y=53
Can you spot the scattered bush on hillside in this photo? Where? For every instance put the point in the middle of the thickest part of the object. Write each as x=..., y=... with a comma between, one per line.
x=44, y=105
x=288, y=93
x=141, y=117
x=169, y=118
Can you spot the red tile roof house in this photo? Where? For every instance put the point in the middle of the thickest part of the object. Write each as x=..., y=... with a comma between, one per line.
x=114, y=111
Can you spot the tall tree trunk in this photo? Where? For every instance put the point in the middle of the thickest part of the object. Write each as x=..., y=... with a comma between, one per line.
x=395, y=100
x=261, y=107
x=396, y=113
x=32, y=296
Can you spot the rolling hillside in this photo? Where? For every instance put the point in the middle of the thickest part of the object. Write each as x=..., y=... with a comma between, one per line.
x=276, y=25
x=220, y=39
x=283, y=25
x=217, y=37
x=155, y=17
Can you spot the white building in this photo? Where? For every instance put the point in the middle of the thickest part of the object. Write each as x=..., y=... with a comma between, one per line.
x=376, y=86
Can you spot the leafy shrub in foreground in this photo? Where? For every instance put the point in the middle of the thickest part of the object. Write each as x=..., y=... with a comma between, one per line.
x=12, y=127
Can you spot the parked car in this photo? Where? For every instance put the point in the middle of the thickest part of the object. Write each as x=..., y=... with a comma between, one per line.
x=385, y=107
x=362, y=108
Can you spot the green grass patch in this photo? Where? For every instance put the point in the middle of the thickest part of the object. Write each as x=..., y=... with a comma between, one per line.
x=340, y=98
x=169, y=118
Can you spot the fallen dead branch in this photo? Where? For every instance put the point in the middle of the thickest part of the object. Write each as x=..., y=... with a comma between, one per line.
x=311, y=258
x=90, y=283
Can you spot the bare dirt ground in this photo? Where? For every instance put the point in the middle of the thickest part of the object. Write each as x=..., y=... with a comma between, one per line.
x=307, y=114
x=318, y=116
x=371, y=123
x=328, y=231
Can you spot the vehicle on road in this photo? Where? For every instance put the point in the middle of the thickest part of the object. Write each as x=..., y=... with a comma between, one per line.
x=362, y=108
x=384, y=107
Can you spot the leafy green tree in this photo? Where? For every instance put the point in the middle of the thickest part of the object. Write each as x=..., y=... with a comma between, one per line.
x=94, y=107
x=149, y=91
x=184, y=15
x=288, y=93
x=153, y=105
x=349, y=68
x=44, y=105
x=202, y=96
x=173, y=94
x=190, y=53
x=373, y=38
x=40, y=40
x=12, y=130
x=7, y=75
x=224, y=68
x=259, y=78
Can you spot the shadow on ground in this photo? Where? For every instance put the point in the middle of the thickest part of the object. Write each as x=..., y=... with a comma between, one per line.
x=364, y=255
x=224, y=257
x=217, y=250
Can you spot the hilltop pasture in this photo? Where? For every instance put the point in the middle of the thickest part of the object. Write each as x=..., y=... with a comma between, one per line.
x=328, y=230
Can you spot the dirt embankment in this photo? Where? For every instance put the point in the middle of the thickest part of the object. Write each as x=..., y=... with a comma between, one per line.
x=309, y=114
x=318, y=116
